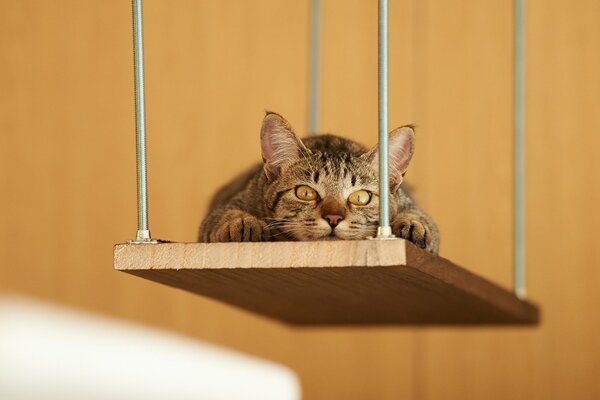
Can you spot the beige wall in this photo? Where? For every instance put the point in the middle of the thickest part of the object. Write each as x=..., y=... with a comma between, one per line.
x=67, y=176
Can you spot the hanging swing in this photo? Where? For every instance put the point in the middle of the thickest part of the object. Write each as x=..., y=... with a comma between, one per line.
x=380, y=281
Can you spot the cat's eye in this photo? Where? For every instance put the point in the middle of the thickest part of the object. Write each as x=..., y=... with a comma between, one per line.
x=360, y=198
x=306, y=193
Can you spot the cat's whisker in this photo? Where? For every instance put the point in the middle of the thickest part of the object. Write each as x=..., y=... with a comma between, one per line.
x=280, y=223
x=282, y=233
x=291, y=228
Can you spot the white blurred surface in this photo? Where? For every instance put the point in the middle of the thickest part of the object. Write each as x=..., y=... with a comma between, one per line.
x=47, y=352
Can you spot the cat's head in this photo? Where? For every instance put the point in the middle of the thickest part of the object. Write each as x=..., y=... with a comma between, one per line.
x=326, y=187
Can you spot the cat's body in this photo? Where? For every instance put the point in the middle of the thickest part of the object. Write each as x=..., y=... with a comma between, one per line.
x=319, y=188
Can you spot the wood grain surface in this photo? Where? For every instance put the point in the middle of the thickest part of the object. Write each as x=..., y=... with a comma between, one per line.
x=363, y=282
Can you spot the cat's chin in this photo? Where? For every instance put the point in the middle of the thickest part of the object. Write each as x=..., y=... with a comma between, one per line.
x=341, y=235
x=329, y=237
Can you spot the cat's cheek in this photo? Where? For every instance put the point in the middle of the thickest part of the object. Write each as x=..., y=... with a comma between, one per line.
x=297, y=234
x=350, y=234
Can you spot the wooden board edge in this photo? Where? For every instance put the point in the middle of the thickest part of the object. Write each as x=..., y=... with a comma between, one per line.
x=259, y=255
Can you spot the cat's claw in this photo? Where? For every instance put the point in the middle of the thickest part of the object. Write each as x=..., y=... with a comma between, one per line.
x=240, y=227
x=410, y=227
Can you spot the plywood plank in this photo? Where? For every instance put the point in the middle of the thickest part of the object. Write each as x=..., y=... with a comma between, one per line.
x=329, y=283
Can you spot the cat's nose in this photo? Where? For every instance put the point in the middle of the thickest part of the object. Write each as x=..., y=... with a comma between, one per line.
x=332, y=211
x=333, y=219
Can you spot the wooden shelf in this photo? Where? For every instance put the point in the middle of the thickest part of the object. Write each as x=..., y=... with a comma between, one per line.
x=330, y=282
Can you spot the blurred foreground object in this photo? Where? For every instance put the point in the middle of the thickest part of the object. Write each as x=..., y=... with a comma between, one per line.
x=47, y=352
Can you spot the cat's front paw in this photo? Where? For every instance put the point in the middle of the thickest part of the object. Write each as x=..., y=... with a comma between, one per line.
x=413, y=228
x=238, y=226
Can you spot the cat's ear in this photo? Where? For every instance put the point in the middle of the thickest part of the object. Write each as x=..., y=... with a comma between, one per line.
x=279, y=144
x=401, y=145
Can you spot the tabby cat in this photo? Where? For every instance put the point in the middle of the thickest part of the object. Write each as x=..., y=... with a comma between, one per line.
x=319, y=188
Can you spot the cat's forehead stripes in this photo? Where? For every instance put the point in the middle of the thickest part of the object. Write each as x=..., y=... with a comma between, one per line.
x=316, y=176
x=334, y=172
x=335, y=163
